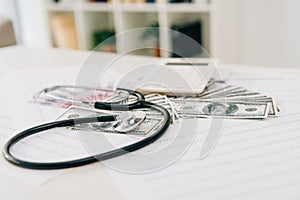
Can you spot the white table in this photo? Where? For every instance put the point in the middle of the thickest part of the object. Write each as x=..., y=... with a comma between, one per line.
x=88, y=182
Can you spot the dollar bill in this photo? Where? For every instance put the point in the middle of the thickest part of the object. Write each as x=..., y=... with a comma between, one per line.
x=273, y=108
x=153, y=120
x=163, y=101
x=187, y=108
x=220, y=92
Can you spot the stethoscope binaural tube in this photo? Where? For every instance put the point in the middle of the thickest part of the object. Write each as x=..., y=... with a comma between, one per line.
x=70, y=122
x=47, y=92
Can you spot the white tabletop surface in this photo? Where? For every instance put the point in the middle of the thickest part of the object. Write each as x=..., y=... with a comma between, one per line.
x=89, y=182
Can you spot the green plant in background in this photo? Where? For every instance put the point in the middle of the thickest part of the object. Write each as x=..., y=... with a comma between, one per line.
x=100, y=36
x=151, y=33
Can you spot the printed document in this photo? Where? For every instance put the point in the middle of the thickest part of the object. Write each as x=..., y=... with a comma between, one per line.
x=253, y=159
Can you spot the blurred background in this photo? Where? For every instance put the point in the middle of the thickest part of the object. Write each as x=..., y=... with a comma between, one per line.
x=256, y=32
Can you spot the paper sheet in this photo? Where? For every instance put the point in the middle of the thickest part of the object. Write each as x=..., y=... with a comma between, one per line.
x=7, y=129
x=253, y=159
x=17, y=113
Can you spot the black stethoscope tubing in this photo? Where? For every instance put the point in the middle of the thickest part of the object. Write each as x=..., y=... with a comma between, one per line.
x=70, y=122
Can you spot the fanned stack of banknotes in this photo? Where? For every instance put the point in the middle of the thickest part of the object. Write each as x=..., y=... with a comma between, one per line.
x=219, y=100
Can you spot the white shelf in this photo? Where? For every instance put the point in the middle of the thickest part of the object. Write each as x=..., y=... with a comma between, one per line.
x=97, y=6
x=59, y=7
x=188, y=8
x=117, y=16
x=139, y=7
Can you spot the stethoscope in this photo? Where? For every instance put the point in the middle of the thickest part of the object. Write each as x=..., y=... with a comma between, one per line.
x=122, y=123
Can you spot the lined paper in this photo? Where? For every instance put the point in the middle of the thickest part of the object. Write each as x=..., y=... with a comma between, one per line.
x=253, y=159
x=54, y=145
x=17, y=114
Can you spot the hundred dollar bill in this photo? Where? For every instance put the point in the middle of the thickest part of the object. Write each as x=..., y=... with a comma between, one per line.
x=163, y=101
x=222, y=93
x=273, y=108
x=254, y=99
x=152, y=121
x=186, y=108
x=214, y=88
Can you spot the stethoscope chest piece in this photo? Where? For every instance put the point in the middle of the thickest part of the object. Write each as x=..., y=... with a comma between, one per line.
x=128, y=121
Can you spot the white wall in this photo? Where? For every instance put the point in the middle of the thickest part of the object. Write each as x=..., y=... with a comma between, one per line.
x=271, y=32
x=29, y=21
x=228, y=36
x=8, y=10
x=34, y=25
x=260, y=32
